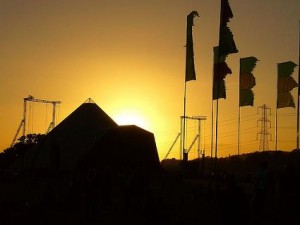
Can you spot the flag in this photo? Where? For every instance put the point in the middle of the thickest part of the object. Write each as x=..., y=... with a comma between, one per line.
x=226, y=46
x=190, y=73
x=285, y=84
x=247, y=80
x=226, y=41
x=285, y=99
x=220, y=71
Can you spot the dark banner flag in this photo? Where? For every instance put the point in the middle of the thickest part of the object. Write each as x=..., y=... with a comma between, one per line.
x=190, y=73
x=285, y=84
x=226, y=46
x=226, y=41
x=220, y=71
x=247, y=80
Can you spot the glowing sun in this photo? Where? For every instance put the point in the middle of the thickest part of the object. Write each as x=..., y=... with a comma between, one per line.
x=131, y=118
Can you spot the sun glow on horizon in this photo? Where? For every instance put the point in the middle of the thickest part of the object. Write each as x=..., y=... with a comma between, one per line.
x=131, y=117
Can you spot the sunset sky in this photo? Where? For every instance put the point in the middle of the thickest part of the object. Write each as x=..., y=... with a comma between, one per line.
x=129, y=57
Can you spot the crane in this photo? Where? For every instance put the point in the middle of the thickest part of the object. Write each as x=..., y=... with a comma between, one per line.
x=30, y=98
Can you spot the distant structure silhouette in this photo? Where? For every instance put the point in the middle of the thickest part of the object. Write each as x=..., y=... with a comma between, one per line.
x=184, y=154
x=24, y=121
x=265, y=123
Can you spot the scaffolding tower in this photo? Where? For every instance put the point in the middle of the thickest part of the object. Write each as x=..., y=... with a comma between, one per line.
x=183, y=151
x=23, y=121
x=184, y=154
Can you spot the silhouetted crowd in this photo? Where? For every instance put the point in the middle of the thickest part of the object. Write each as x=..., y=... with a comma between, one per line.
x=262, y=198
x=102, y=196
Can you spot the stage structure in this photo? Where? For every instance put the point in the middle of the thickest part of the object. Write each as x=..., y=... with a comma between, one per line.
x=183, y=154
x=24, y=120
x=183, y=119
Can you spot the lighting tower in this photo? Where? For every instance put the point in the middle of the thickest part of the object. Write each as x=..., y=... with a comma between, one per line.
x=183, y=151
x=23, y=121
x=265, y=123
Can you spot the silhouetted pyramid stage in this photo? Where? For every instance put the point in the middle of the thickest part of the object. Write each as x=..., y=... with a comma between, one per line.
x=90, y=128
x=124, y=147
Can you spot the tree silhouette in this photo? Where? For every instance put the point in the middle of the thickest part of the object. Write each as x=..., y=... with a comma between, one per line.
x=24, y=143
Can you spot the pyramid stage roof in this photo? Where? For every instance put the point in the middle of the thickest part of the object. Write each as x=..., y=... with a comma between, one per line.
x=89, y=131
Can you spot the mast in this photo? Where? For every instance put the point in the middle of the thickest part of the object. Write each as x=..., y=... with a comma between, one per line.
x=190, y=73
x=276, y=111
x=184, y=123
x=217, y=105
x=239, y=131
x=239, y=116
x=212, y=120
x=216, y=144
x=298, y=91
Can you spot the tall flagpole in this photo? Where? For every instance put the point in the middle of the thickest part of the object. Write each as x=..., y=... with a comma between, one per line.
x=239, y=116
x=190, y=73
x=276, y=111
x=183, y=129
x=226, y=46
x=239, y=131
x=212, y=136
x=298, y=91
x=218, y=87
x=212, y=118
x=216, y=144
x=276, y=128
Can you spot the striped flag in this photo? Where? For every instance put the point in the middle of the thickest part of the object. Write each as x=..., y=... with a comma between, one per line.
x=220, y=72
x=247, y=80
x=226, y=46
x=285, y=84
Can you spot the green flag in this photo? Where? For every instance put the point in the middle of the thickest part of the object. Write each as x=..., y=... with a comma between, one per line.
x=190, y=73
x=220, y=72
x=226, y=41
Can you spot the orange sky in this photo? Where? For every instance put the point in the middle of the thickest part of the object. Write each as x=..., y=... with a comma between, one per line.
x=129, y=57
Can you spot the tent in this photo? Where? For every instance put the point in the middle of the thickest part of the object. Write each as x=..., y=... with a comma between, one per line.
x=63, y=147
x=89, y=135
x=125, y=147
